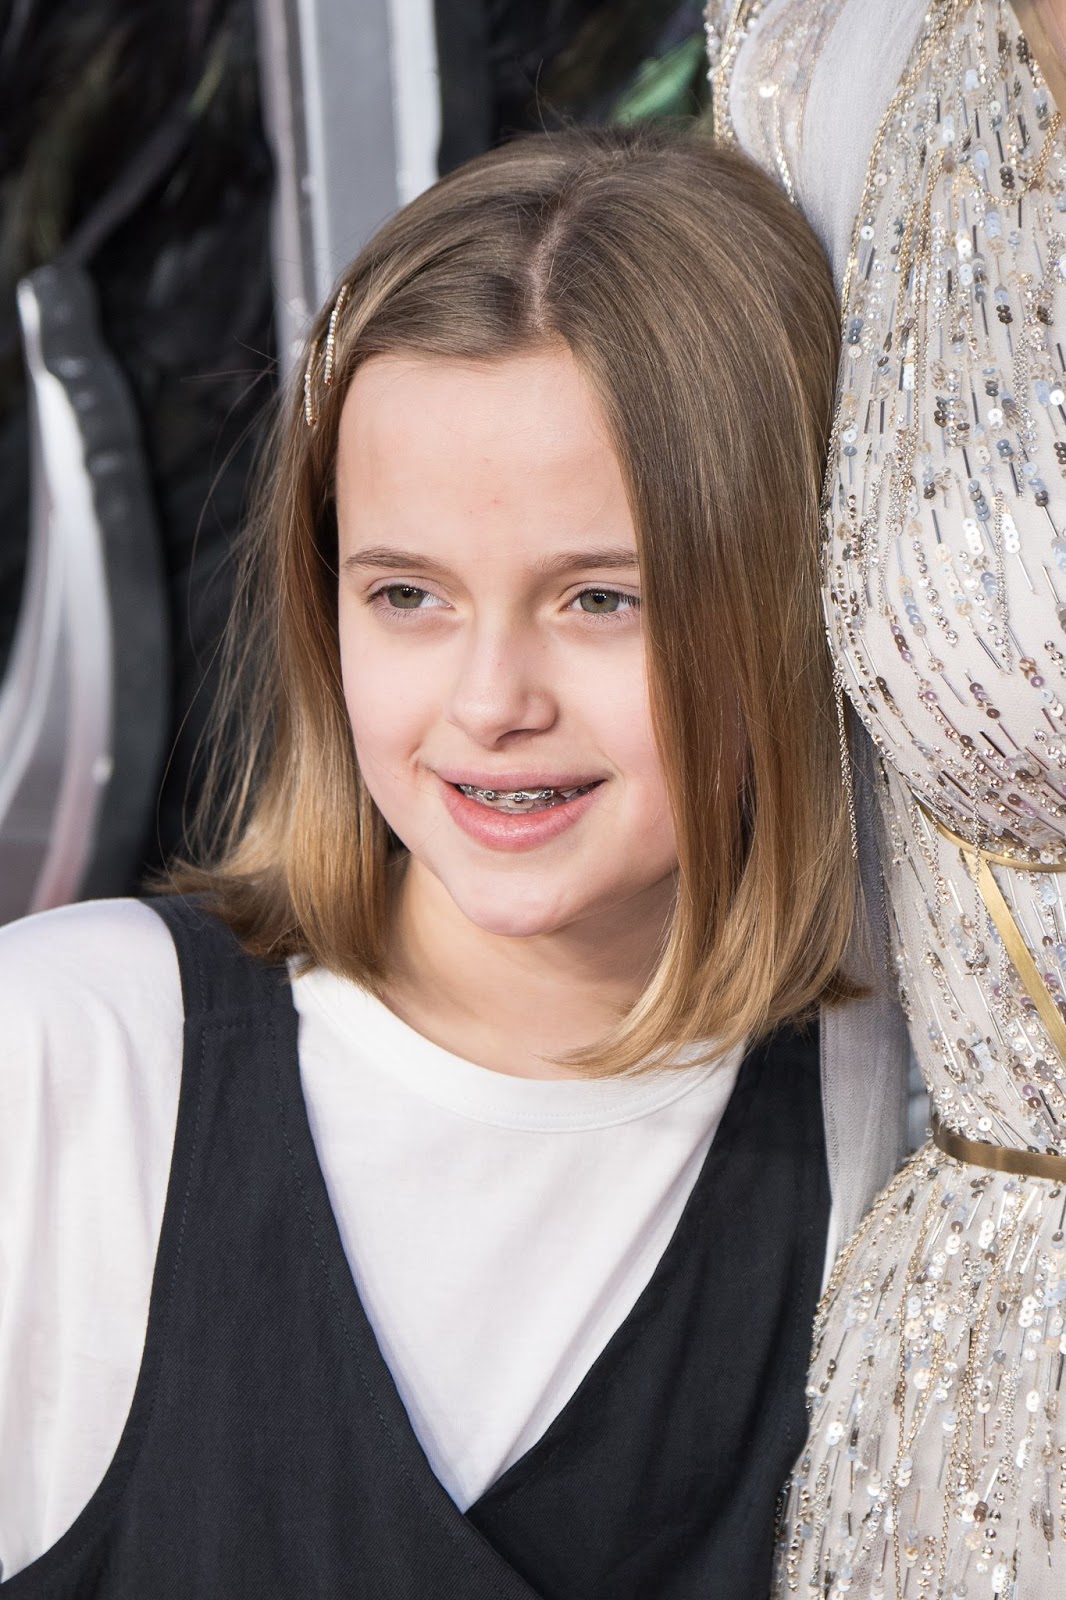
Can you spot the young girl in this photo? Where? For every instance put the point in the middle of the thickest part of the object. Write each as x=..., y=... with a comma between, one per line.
x=431, y=1200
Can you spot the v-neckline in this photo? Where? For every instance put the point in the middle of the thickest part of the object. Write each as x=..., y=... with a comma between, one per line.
x=374, y=1370
x=1031, y=25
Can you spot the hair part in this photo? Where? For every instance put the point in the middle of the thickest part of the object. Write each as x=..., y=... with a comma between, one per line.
x=699, y=306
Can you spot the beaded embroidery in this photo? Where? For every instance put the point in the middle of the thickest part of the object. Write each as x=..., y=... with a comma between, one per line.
x=936, y=1465
x=789, y=40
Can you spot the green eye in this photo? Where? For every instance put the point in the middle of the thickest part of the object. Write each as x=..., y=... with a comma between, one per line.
x=403, y=596
x=601, y=602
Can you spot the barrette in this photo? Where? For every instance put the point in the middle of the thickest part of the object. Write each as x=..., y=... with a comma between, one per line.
x=328, y=361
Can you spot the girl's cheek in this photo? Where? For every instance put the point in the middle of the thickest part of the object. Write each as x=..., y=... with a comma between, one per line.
x=376, y=697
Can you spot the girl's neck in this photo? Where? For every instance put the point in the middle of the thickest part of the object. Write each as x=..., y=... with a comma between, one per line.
x=516, y=1005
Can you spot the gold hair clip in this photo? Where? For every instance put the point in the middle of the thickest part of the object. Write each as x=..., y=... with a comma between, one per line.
x=310, y=409
x=331, y=335
x=310, y=400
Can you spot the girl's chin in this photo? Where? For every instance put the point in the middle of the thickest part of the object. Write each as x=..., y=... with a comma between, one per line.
x=516, y=906
x=501, y=924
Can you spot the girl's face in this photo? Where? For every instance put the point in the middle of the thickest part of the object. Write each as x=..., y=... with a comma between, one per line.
x=490, y=636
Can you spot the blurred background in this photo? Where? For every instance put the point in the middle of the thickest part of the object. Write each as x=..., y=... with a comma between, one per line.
x=180, y=184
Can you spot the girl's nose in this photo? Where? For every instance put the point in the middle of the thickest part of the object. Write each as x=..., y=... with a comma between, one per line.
x=501, y=687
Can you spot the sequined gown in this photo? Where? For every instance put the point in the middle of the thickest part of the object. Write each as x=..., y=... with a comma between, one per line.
x=936, y=1464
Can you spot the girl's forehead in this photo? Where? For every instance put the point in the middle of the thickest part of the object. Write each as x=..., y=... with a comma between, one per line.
x=538, y=398
x=449, y=449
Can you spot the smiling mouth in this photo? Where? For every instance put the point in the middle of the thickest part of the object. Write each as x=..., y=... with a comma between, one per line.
x=520, y=802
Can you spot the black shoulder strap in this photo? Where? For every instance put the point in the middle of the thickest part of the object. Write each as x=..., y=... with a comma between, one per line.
x=218, y=976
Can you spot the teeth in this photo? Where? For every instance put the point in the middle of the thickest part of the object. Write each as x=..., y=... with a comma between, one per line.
x=518, y=801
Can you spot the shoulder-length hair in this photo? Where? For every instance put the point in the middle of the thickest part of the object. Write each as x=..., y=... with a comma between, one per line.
x=699, y=306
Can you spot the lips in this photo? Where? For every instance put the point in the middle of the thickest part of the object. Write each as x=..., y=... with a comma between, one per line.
x=516, y=813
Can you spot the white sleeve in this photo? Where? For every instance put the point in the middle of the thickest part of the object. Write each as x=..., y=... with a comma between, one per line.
x=90, y=1067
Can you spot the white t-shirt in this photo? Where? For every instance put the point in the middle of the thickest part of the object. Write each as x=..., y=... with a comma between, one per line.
x=498, y=1229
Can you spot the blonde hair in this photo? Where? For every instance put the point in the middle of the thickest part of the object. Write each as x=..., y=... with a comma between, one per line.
x=698, y=304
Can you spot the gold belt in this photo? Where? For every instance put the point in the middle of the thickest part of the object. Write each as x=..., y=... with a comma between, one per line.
x=998, y=1157
x=1006, y=1158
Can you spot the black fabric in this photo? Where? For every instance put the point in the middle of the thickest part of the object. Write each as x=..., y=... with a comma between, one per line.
x=660, y=1479
x=267, y=1454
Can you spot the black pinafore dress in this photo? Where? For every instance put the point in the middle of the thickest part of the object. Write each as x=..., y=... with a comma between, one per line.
x=267, y=1454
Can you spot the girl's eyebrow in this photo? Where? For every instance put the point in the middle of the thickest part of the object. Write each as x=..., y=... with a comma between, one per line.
x=383, y=558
